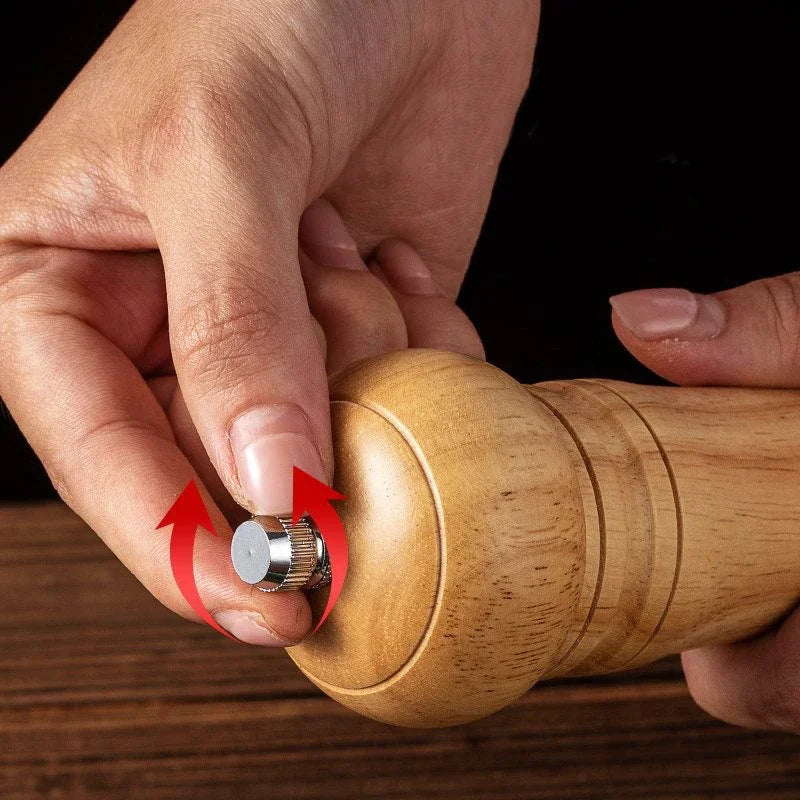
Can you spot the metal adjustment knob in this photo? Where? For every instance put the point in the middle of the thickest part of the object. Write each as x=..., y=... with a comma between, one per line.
x=275, y=556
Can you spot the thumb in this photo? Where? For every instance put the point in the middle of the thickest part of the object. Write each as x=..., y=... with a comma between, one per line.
x=243, y=340
x=747, y=336
x=753, y=683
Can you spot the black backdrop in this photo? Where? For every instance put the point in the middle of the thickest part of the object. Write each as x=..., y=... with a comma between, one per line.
x=657, y=146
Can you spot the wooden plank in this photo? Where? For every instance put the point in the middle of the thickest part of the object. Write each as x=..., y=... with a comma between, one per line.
x=105, y=694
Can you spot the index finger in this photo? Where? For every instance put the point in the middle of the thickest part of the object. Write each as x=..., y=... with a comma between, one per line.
x=110, y=452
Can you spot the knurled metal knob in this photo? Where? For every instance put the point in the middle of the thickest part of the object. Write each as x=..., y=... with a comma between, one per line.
x=274, y=555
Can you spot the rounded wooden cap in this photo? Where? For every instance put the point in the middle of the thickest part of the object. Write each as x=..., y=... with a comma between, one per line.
x=466, y=540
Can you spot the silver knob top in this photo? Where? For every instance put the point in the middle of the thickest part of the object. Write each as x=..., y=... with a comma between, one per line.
x=275, y=556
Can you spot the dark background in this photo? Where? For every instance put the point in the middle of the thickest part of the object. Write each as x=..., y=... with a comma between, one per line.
x=656, y=147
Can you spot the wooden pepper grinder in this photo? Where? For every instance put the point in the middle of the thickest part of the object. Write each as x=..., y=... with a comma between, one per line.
x=502, y=534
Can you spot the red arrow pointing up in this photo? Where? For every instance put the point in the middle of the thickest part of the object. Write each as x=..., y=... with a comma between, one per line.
x=188, y=513
x=312, y=497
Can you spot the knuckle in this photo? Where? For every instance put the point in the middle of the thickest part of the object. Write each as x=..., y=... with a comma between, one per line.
x=386, y=331
x=219, y=338
x=209, y=111
x=452, y=330
x=66, y=462
x=192, y=112
x=783, y=304
x=375, y=315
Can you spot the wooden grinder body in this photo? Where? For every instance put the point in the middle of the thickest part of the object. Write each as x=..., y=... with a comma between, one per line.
x=502, y=534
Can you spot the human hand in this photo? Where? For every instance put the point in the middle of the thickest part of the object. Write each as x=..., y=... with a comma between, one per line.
x=748, y=336
x=149, y=229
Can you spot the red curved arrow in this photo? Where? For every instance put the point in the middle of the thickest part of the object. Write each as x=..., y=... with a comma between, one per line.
x=188, y=513
x=312, y=497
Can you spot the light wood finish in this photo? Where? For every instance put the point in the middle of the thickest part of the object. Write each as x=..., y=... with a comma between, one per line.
x=502, y=594
x=580, y=527
x=106, y=695
x=381, y=474
x=694, y=512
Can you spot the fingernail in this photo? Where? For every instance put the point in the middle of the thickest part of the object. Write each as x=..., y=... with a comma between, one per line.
x=250, y=627
x=267, y=442
x=404, y=269
x=325, y=238
x=670, y=314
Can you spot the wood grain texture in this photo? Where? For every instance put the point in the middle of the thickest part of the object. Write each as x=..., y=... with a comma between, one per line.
x=105, y=694
x=381, y=474
x=734, y=461
x=500, y=501
x=693, y=513
x=583, y=527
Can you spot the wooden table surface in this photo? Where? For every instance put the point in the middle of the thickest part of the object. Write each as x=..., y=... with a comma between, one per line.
x=105, y=694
